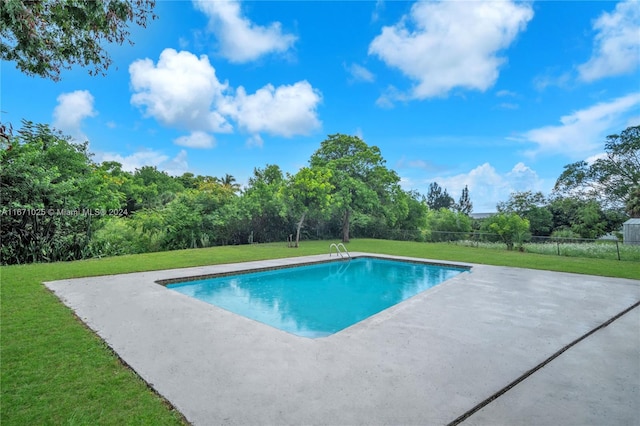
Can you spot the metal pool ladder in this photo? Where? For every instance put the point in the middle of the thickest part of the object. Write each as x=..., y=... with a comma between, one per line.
x=339, y=251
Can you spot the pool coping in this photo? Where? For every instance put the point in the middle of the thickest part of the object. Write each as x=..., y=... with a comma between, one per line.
x=427, y=360
x=249, y=270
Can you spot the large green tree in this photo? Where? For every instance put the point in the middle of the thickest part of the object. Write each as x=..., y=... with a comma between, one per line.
x=309, y=190
x=263, y=204
x=609, y=179
x=509, y=227
x=43, y=37
x=52, y=194
x=437, y=198
x=583, y=217
x=633, y=204
x=446, y=225
x=531, y=206
x=358, y=174
x=153, y=188
x=464, y=204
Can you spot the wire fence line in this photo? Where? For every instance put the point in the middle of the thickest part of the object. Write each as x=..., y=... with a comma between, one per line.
x=606, y=248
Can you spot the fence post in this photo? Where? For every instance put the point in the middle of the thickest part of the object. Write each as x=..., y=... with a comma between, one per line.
x=618, y=249
x=558, y=244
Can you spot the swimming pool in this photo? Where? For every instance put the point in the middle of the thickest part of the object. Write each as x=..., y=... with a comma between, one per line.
x=320, y=299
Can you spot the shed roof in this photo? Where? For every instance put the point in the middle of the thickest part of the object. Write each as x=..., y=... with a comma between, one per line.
x=633, y=221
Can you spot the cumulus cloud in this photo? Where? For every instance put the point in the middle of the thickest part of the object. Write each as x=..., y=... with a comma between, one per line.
x=486, y=185
x=449, y=44
x=196, y=140
x=182, y=91
x=176, y=166
x=583, y=131
x=179, y=91
x=241, y=40
x=285, y=110
x=71, y=110
x=616, y=45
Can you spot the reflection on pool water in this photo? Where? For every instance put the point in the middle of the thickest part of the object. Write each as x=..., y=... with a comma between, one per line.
x=321, y=299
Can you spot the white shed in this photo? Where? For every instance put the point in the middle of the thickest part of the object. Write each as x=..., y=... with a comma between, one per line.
x=631, y=231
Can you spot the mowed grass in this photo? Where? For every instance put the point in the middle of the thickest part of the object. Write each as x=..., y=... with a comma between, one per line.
x=56, y=371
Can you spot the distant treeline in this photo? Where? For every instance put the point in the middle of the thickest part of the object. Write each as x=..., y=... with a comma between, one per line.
x=58, y=204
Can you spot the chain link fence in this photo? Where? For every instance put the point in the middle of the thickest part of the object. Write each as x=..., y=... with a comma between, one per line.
x=606, y=248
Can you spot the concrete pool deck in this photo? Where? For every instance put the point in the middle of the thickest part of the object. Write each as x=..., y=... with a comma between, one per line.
x=491, y=346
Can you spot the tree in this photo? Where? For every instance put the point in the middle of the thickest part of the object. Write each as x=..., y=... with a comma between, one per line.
x=443, y=222
x=264, y=206
x=530, y=206
x=49, y=189
x=464, y=205
x=416, y=212
x=609, y=179
x=437, y=198
x=44, y=37
x=509, y=227
x=154, y=188
x=308, y=190
x=229, y=181
x=583, y=217
x=358, y=174
x=633, y=204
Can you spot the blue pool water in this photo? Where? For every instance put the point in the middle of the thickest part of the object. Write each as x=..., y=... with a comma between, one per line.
x=321, y=299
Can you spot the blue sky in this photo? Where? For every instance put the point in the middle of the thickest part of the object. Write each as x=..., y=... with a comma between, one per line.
x=498, y=96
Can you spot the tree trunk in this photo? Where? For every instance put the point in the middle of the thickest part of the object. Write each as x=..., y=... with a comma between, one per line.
x=299, y=227
x=345, y=227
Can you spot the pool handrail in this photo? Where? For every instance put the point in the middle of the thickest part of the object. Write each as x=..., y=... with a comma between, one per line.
x=339, y=252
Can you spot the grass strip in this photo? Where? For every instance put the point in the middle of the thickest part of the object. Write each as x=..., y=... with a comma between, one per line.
x=56, y=371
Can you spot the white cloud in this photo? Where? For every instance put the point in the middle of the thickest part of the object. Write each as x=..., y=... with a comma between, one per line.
x=616, y=48
x=449, y=44
x=71, y=110
x=551, y=78
x=285, y=111
x=487, y=187
x=360, y=73
x=179, y=91
x=429, y=166
x=523, y=178
x=379, y=7
x=255, y=140
x=177, y=166
x=632, y=121
x=148, y=157
x=182, y=91
x=196, y=140
x=582, y=132
x=240, y=39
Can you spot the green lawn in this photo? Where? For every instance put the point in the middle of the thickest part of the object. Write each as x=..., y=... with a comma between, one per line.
x=56, y=371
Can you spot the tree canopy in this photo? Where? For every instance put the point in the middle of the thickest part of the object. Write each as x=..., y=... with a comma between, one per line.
x=464, y=204
x=58, y=204
x=437, y=198
x=610, y=179
x=358, y=175
x=44, y=37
